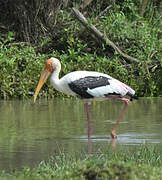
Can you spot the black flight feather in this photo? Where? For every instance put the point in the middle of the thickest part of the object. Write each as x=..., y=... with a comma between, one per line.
x=81, y=85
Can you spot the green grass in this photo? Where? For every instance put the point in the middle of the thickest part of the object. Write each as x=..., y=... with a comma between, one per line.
x=143, y=162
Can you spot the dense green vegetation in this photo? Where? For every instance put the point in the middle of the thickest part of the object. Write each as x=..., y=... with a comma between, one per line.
x=131, y=163
x=135, y=28
x=138, y=36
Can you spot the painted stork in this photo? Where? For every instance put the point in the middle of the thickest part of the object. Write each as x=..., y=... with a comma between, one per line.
x=88, y=85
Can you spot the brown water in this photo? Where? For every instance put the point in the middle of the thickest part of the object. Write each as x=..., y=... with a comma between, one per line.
x=32, y=133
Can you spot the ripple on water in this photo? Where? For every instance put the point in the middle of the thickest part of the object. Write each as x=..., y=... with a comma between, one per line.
x=125, y=139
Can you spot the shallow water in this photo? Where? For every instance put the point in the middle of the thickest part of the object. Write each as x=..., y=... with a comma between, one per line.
x=32, y=133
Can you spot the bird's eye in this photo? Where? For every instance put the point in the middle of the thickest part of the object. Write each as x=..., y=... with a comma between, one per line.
x=49, y=67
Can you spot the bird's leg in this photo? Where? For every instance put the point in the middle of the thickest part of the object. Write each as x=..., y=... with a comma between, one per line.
x=89, y=130
x=126, y=101
x=113, y=132
x=88, y=119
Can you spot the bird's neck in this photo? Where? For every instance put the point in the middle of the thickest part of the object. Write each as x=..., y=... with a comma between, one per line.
x=55, y=77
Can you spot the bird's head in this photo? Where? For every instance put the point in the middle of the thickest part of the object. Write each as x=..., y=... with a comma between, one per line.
x=51, y=65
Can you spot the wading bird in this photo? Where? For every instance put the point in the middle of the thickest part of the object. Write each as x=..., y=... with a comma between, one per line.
x=88, y=85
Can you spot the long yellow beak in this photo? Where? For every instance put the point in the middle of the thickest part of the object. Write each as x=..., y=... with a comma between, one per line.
x=42, y=80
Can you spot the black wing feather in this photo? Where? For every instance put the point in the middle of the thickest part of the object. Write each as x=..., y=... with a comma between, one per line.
x=81, y=85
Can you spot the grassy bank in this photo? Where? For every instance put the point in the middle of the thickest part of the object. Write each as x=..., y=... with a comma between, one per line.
x=143, y=162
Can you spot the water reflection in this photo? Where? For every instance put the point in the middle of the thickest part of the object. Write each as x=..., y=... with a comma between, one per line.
x=31, y=133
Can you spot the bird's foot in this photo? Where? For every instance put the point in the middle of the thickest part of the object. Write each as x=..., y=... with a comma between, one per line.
x=113, y=134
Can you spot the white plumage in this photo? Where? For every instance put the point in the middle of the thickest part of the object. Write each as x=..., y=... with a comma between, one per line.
x=86, y=85
x=62, y=84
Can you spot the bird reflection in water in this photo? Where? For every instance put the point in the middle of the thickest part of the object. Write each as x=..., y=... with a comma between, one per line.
x=113, y=140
